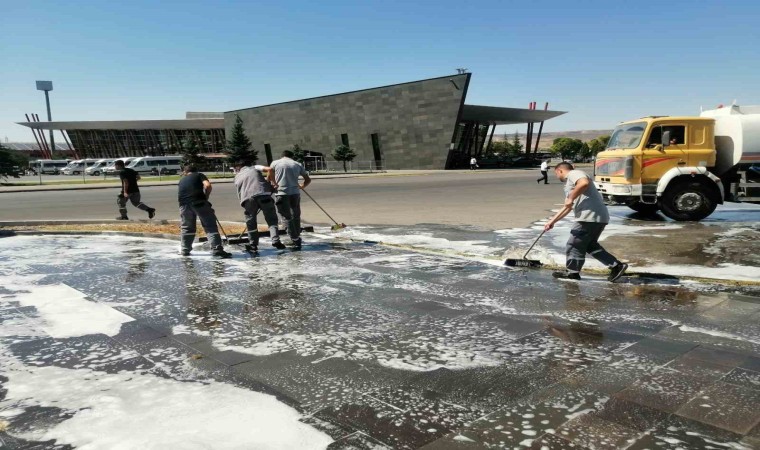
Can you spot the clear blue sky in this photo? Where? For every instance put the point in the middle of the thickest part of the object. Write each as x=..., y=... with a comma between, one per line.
x=603, y=61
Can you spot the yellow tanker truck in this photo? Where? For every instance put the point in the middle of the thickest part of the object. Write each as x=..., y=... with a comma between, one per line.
x=683, y=166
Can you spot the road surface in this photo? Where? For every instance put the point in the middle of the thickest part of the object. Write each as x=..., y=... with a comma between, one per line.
x=485, y=199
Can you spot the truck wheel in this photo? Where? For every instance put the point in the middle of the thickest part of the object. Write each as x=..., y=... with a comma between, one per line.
x=688, y=200
x=643, y=208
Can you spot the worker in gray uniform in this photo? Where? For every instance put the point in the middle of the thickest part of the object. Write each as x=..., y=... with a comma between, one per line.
x=284, y=175
x=255, y=194
x=130, y=191
x=591, y=216
x=194, y=190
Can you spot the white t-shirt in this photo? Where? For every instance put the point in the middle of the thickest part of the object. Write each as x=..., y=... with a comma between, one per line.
x=544, y=166
x=473, y=161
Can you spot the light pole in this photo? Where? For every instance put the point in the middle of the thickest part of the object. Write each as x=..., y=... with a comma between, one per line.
x=47, y=86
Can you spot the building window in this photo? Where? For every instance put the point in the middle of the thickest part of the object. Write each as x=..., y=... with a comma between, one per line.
x=344, y=139
x=376, y=147
x=268, y=151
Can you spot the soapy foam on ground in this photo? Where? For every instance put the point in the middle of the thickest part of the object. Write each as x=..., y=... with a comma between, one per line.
x=138, y=410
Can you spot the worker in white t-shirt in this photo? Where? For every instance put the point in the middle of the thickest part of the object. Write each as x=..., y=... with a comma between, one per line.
x=473, y=163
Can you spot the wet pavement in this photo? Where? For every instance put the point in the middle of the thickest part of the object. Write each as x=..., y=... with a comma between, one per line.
x=367, y=346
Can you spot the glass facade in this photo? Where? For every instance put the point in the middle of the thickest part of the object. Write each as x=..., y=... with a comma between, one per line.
x=118, y=143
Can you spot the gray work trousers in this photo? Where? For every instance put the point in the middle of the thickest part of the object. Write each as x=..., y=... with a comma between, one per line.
x=584, y=237
x=188, y=215
x=135, y=199
x=289, y=207
x=252, y=206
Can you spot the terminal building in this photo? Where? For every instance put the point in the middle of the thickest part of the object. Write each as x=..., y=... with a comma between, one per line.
x=424, y=124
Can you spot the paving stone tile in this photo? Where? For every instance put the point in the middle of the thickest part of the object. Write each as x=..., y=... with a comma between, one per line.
x=743, y=377
x=716, y=356
x=454, y=441
x=135, y=332
x=659, y=350
x=178, y=361
x=751, y=363
x=357, y=441
x=666, y=390
x=631, y=415
x=543, y=412
x=551, y=441
x=706, y=371
x=726, y=406
x=593, y=432
x=678, y=433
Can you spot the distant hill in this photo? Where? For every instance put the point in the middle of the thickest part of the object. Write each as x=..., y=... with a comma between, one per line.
x=547, y=137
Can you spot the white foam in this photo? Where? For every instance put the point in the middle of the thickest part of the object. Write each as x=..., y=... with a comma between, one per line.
x=65, y=312
x=725, y=271
x=130, y=410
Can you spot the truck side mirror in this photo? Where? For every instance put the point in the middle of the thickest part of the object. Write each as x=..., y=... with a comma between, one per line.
x=665, y=138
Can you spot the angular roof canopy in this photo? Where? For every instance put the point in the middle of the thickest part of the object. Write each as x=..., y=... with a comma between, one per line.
x=505, y=116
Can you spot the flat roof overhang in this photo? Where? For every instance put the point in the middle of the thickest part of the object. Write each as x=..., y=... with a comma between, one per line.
x=178, y=124
x=505, y=116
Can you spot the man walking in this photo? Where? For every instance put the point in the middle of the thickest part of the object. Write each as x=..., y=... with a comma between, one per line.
x=255, y=194
x=544, y=172
x=591, y=216
x=193, y=193
x=130, y=191
x=284, y=174
x=473, y=163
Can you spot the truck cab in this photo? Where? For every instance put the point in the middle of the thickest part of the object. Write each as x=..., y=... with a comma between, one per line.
x=662, y=163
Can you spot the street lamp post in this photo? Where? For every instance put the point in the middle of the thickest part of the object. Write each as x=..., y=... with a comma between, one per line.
x=47, y=86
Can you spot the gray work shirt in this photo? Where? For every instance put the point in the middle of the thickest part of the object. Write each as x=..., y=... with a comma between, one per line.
x=286, y=173
x=589, y=206
x=250, y=182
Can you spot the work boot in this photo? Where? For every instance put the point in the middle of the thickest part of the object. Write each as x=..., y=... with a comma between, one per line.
x=566, y=275
x=251, y=248
x=185, y=252
x=151, y=213
x=278, y=245
x=122, y=218
x=296, y=244
x=617, y=271
x=222, y=254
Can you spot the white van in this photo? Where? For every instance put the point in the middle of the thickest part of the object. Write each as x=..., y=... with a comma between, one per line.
x=48, y=166
x=111, y=170
x=169, y=165
x=98, y=167
x=78, y=167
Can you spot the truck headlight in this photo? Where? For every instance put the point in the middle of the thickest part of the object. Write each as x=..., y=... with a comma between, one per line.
x=621, y=189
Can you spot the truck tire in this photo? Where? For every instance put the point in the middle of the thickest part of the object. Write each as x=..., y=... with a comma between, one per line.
x=687, y=201
x=643, y=208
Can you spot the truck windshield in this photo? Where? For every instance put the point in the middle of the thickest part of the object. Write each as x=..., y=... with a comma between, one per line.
x=627, y=135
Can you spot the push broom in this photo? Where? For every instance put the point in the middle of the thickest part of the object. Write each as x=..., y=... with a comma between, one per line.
x=337, y=226
x=524, y=261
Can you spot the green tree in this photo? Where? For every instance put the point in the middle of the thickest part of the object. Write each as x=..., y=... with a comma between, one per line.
x=191, y=153
x=597, y=145
x=343, y=153
x=8, y=161
x=516, y=144
x=567, y=148
x=299, y=154
x=239, y=147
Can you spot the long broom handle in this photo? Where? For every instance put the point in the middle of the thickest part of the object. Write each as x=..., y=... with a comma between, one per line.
x=221, y=228
x=533, y=245
x=323, y=210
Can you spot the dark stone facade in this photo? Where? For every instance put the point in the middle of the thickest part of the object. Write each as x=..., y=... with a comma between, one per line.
x=414, y=122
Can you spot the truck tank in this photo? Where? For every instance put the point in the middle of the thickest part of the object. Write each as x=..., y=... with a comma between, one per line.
x=737, y=136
